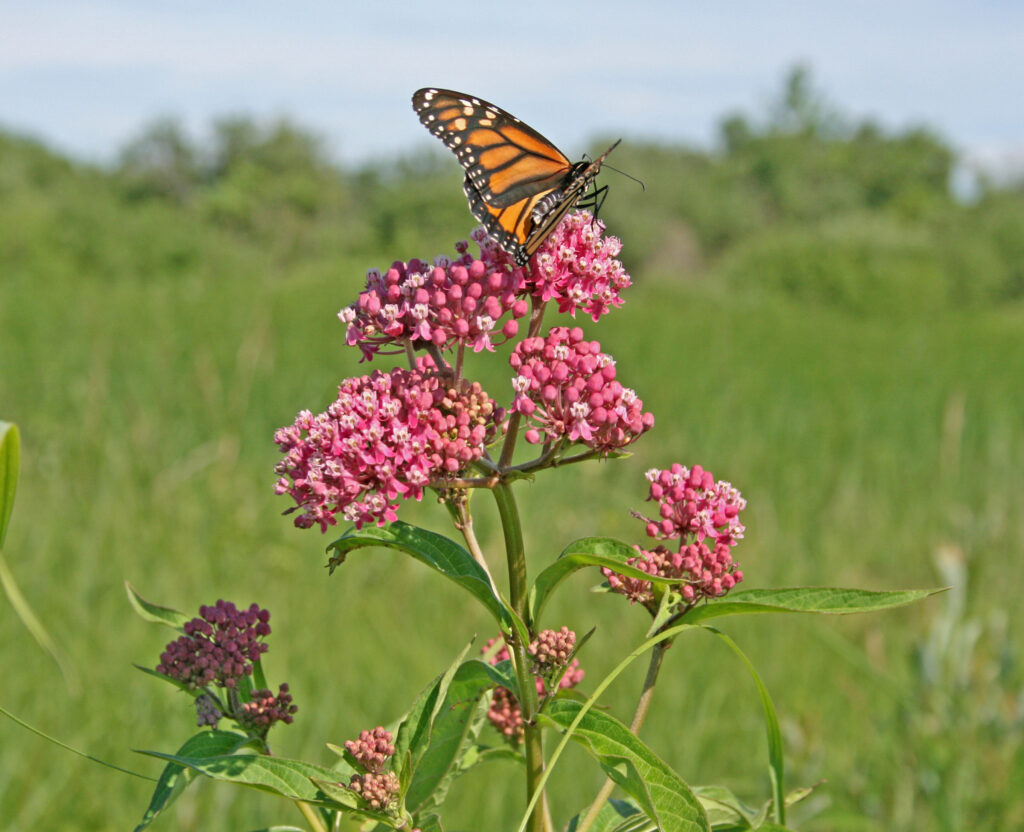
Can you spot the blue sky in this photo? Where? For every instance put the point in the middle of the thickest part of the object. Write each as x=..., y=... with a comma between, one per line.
x=85, y=76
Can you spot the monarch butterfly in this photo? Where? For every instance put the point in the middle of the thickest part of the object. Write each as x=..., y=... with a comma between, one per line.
x=519, y=185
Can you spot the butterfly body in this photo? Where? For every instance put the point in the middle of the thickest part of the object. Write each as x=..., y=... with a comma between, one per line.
x=519, y=185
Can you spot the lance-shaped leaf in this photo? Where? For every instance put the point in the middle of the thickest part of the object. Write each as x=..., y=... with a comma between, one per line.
x=154, y=612
x=827, y=600
x=435, y=550
x=454, y=732
x=776, y=763
x=587, y=551
x=725, y=810
x=176, y=777
x=415, y=729
x=293, y=779
x=10, y=453
x=643, y=775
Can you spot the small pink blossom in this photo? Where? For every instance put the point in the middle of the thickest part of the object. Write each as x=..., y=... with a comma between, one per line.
x=447, y=302
x=576, y=267
x=551, y=650
x=387, y=436
x=567, y=389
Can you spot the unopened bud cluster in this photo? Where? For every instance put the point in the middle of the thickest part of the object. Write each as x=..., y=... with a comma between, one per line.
x=376, y=786
x=218, y=647
x=566, y=388
x=551, y=650
x=264, y=709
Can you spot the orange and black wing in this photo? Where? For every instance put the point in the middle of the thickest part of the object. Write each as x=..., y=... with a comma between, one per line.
x=506, y=161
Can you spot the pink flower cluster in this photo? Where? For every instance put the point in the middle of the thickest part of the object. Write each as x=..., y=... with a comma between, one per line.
x=377, y=789
x=690, y=502
x=576, y=267
x=566, y=387
x=373, y=749
x=551, y=650
x=264, y=709
x=703, y=516
x=386, y=436
x=443, y=303
x=505, y=713
x=218, y=648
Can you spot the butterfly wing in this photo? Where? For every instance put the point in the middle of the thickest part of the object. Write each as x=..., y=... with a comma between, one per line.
x=506, y=161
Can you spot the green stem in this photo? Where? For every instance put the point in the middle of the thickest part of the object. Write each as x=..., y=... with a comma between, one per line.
x=642, y=707
x=311, y=816
x=517, y=585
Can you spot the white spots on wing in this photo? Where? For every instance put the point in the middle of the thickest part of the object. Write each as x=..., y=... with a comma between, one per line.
x=490, y=113
x=485, y=122
x=456, y=140
x=460, y=123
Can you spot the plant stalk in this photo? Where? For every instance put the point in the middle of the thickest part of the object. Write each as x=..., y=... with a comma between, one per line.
x=532, y=741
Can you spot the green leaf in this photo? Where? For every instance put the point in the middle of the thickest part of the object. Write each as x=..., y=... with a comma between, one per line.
x=430, y=823
x=453, y=734
x=414, y=732
x=290, y=778
x=725, y=810
x=435, y=550
x=615, y=816
x=175, y=777
x=657, y=789
x=154, y=612
x=587, y=551
x=193, y=692
x=828, y=600
x=776, y=763
x=10, y=454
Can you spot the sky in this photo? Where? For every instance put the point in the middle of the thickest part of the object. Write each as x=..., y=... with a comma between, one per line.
x=87, y=76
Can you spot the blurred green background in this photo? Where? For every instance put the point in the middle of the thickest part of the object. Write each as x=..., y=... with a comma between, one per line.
x=815, y=317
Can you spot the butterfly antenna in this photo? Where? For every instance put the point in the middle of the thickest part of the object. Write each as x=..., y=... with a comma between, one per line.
x=640, y=182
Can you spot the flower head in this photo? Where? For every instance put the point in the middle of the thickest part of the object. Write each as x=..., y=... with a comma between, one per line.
x=378, y=790
x=576, y=267
x=447, y=302
x=567, y=389
x=386, y=436
x=701, y=518
x=218, y=647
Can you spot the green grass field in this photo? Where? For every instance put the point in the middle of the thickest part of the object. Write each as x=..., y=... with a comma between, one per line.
x=865, y=446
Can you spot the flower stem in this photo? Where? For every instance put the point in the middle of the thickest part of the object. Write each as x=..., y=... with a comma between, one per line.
x=314, y=820
x=466, y=527
x=657, y=654
x=517, y=584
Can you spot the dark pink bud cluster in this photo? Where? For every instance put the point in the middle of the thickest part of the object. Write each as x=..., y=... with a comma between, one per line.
x=387, y=436
x=692, y=506
x=576, y=267
x=218, y=648
x=208, y=712
x=551, y=650
x=505, y=713
x=264, y=709
x=703, y=517
x=446, y=303
x=378, y=790
x=373, y=749
x=566, y=387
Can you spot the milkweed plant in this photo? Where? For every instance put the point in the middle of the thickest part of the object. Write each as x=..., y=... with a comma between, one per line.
x=420, y=423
